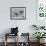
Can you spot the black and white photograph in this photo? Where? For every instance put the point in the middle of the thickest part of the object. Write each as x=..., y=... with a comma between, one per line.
x=18, y=13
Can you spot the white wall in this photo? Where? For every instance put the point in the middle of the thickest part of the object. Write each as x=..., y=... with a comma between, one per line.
x=24, y=25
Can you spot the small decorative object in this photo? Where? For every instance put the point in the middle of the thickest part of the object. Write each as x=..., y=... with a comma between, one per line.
x=14, y=30
x=22, y=44
x=18, y=13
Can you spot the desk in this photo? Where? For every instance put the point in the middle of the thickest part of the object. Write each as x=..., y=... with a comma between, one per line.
x=17, y=43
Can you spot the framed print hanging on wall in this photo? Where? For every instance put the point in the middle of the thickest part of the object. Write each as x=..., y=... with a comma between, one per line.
x=18, y=13
x=41, y=8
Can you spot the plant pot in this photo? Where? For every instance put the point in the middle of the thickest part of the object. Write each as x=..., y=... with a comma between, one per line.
x=40, y=41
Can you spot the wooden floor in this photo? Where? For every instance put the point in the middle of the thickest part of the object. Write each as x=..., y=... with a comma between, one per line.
x=13, y=44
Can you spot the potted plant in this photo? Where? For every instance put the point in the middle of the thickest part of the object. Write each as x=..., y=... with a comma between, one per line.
x=39, y=35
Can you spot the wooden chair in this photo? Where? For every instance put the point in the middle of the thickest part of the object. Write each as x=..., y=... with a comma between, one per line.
x=8, y=34
x=27, y=37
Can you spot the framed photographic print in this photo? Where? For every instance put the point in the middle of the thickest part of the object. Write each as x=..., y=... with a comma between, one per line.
x=18, y=13
x=41, y=8
x=41, y=12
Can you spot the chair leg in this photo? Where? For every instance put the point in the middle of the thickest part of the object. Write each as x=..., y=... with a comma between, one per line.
x=17, y=39
x=5, y=43
x=5, y=39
